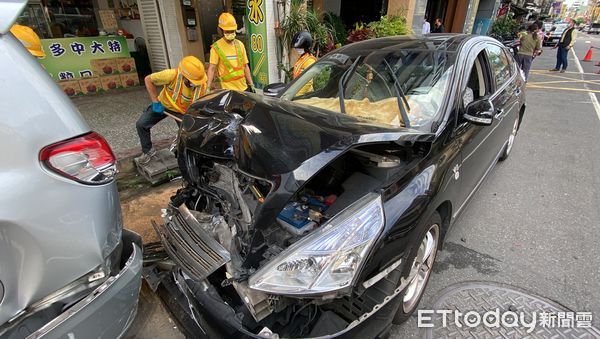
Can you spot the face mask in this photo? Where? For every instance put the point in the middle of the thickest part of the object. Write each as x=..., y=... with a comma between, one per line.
x=300, y=51
x=188, y=83
x=230, y=36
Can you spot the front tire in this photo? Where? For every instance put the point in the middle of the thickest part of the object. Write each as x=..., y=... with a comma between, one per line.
x=420, y=262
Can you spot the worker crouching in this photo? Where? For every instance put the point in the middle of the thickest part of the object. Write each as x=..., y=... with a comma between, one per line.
x=182, y=86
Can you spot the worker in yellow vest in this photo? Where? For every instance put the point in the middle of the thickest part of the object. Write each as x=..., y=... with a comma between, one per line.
x=182, y=86
x=228, y=57
x=301, y=43
x=29, y=39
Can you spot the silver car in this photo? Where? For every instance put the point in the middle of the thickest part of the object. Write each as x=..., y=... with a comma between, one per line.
x=553, y=36
x=67, y=268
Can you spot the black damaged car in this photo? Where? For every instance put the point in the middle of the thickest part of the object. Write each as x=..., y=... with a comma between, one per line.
x=320, y=212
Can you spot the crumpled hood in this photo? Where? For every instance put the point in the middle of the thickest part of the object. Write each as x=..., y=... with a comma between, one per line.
x=270, y=136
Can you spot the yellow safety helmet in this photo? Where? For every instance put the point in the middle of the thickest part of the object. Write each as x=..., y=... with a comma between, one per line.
x=227, y=22
x=193, y=70
x=29, y=39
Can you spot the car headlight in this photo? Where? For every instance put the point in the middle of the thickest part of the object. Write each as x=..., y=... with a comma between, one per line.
x=327, y=259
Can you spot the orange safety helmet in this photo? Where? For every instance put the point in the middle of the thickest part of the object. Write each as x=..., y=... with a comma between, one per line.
x=29, y=39
x=227, y=22
x=193, y=70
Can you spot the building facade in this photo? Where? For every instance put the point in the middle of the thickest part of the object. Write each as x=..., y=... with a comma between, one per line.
x=164, y=31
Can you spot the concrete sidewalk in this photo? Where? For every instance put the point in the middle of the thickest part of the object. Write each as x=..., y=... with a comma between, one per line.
x=114, y=115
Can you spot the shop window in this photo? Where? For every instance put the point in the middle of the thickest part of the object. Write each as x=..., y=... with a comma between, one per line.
x=72, y=18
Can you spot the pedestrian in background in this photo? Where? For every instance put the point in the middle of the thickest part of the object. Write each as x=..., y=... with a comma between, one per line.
x=566, y=42
x=426, y=26
x=541, y=31
x=228, y=58
x=530, y=46
x=438, y=27
x=182, y=86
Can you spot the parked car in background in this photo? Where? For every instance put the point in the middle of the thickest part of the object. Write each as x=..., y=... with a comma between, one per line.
x=594, y=28
x=319, y=212
x=553, y=36
x=67, y=267
x=585, y=28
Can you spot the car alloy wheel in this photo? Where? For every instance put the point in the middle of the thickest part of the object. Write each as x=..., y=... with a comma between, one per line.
x=421, y=268
x=511, y=140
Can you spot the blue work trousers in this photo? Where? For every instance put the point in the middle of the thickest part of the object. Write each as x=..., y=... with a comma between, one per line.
x=562, y=56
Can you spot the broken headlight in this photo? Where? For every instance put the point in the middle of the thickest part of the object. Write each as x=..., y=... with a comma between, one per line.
x=327, y=259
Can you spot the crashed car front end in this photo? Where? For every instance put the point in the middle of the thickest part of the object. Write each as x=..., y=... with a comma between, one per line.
x=288, y=223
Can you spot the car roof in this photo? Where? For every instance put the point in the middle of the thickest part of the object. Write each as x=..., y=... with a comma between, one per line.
x=449, y=42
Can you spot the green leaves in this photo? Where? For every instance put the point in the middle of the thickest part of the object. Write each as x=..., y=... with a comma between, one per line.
x=505, y=27
x=302, y=19
x=389, y=26
x=336, y=26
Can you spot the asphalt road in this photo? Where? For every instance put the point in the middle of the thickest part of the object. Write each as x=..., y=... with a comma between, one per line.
x=534, y=223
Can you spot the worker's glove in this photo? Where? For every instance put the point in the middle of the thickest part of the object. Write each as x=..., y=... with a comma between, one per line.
x=157, y=107
x=250, y=89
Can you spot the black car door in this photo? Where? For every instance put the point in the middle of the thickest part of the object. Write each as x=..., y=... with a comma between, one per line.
x=505, y=97
x=476, y=84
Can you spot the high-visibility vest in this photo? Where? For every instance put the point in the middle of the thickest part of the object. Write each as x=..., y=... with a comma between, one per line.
x=233, y=73
x=173, y=92
x=299, y=65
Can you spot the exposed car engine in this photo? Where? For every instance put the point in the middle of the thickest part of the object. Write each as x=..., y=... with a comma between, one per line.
x=223, y=202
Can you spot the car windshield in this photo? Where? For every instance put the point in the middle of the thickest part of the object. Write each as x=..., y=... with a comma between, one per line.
x=376, y=83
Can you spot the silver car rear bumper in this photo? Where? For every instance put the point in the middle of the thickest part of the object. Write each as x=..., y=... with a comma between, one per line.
x=109, y=310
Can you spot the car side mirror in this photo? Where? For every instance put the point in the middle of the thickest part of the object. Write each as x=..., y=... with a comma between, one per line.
x=480, y=112
x=274, y=90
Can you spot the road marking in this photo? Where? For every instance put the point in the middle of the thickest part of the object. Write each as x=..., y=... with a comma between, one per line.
x=592, y=95
x=548, y=73
x=565, y=89
x=575, y=81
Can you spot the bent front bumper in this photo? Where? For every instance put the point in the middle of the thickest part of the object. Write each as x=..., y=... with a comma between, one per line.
x=203, y=314
x=109, y=310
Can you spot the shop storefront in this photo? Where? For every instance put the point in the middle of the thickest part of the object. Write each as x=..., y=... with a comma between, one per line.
x=80, y=35
x=90, y=45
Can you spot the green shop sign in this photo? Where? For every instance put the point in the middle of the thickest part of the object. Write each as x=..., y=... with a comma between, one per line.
x=70, y=58
x=257, y=33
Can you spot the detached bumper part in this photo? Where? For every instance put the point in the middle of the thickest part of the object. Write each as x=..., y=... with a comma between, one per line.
x=110, y=309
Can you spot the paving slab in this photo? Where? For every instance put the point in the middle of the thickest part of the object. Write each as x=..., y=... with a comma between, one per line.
x=114, y=114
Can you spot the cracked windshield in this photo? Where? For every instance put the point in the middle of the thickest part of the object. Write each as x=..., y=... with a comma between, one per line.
x=384, y=87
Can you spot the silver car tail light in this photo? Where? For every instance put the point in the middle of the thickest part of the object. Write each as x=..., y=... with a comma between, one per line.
x=87, y=159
